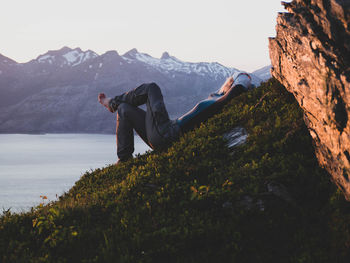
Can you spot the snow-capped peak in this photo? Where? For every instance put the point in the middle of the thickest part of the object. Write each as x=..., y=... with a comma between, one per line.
x=165, y=55
x=169, y=63
x=46, y=58
x=76, y=56
x=63, y=50
x=67, y=56
x=131, y=53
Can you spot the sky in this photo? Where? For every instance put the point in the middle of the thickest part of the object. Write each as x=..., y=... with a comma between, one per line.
x=231, y=32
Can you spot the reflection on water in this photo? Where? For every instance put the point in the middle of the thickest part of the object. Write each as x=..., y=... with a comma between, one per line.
x=34, y=165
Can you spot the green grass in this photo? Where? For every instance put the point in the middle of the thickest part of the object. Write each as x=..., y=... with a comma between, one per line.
x=186, y=203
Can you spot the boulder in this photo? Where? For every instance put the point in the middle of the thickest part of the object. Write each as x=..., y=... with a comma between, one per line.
x=310, y=56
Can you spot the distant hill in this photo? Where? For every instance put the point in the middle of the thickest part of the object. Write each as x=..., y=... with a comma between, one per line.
x=263, y=73
x=57, y=91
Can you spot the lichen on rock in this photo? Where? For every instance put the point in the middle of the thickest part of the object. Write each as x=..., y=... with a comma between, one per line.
x=310, y=56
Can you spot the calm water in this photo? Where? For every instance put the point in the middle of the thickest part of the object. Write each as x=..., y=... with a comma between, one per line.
x=35, y=165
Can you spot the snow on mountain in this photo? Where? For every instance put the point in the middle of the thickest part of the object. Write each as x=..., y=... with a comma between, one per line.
x=169, y=63
x=75, y=57
x=46, y=58
x=67, y=56
x=165, y=64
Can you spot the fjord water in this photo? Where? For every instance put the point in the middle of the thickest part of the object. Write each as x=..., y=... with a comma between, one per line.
x=48, y=165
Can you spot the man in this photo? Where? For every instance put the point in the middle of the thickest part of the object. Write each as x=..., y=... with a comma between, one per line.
x=154, y=125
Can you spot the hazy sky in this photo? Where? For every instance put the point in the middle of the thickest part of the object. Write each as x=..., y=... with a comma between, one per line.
x=231, y=32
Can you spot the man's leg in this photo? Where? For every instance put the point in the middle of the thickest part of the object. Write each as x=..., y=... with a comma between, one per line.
x=146, y=92
x=157, y=118
x=159, y=129
x=129, y=118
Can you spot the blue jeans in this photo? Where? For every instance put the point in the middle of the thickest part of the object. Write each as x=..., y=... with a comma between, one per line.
x=152, y=125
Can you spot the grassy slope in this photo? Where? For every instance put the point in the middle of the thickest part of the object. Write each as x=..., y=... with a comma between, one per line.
x=189, y=203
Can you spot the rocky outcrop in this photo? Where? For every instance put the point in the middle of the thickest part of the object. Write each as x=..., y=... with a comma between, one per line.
x=310, y=56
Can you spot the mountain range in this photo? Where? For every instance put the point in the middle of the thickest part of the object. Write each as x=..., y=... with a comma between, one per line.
x=57, y=91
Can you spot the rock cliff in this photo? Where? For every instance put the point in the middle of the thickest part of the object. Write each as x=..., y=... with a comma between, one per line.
x=310, y=56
